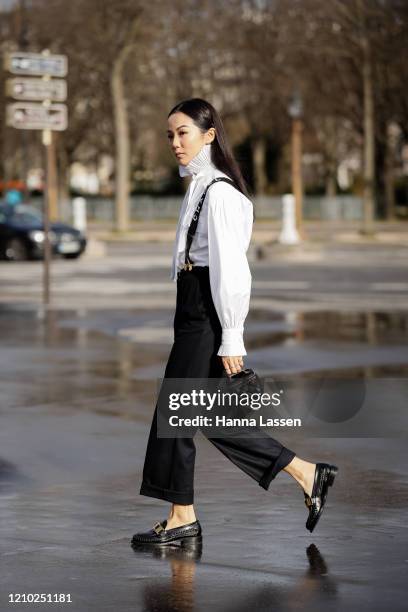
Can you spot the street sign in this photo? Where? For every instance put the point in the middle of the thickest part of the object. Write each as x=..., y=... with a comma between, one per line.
x=44, y=116
x=26, y=88
x=36, y=64
x=31, y=116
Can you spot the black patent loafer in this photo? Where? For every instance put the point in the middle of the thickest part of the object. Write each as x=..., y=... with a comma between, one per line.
x=324, y=478
x=187, y=536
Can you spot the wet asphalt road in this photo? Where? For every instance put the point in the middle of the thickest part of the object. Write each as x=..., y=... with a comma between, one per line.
x=78, y=390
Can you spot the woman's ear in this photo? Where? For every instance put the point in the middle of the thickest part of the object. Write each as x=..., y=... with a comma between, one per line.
x=210, y=136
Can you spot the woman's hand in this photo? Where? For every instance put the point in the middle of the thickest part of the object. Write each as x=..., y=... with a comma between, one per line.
x=232, y=365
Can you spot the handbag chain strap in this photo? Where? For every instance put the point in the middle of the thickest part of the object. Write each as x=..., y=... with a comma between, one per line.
x=188, y=264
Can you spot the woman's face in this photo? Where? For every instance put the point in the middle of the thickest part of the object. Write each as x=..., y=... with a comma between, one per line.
x=185, y=138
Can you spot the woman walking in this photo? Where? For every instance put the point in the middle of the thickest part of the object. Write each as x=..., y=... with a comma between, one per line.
x=213, y=291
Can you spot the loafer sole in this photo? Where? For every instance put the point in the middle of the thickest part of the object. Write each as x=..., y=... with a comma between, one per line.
x=186, y=542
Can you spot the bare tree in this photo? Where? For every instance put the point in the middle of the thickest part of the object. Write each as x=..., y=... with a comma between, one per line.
x=130, y=62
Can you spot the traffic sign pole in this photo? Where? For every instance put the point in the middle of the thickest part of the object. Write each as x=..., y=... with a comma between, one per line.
x=35, y=111
x=51, y=173
x=47, y=142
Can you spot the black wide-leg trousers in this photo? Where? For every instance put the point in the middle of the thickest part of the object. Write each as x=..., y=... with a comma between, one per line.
x=168, y=471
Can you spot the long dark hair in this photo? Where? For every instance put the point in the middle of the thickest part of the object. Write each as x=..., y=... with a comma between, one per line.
x=205, y=117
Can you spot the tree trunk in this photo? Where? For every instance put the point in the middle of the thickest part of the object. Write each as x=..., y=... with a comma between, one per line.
x=64, y=183
x=369, y=127
x=259, y=157
x=389, y=174
x=122, y=157
x=331, y=185
x=330, y=153
x=52, y=178
x=121, y=122
x=297, y=173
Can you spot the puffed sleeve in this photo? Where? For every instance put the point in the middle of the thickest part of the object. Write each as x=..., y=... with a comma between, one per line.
x=230, y=276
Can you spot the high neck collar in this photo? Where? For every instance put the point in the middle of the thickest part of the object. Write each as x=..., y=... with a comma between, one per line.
x=200, y=162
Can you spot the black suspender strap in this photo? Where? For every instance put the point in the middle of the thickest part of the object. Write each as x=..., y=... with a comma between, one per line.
x=194, y=222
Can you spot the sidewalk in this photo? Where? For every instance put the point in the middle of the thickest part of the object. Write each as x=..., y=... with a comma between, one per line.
x=323, y=244
x=264, y=232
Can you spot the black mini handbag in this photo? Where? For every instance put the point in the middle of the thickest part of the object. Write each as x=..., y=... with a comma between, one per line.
x=246, y=381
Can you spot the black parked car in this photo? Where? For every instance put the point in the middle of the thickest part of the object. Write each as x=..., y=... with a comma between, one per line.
x=22, y=235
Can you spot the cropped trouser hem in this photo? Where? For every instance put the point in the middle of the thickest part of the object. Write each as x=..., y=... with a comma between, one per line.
x=284, y=458
x=175, y=497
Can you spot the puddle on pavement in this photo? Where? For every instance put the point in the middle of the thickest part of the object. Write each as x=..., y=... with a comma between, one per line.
x=370, y=328
x=65, y=359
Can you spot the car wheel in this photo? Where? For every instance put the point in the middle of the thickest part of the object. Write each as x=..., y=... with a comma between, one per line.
x=71, y=256
x=16, y=250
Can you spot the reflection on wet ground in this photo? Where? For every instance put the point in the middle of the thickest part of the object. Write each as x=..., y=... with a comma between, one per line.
x=370, y=327
x=75, y=416
x=187, y=585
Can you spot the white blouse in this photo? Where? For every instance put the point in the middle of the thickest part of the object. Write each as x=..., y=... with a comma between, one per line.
x=221, y=242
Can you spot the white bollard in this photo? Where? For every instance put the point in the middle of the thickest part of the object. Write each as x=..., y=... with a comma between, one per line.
x=289, y=233
x=79, y=212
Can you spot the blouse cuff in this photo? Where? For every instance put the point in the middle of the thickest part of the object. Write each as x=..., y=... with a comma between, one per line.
x=232, y=343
